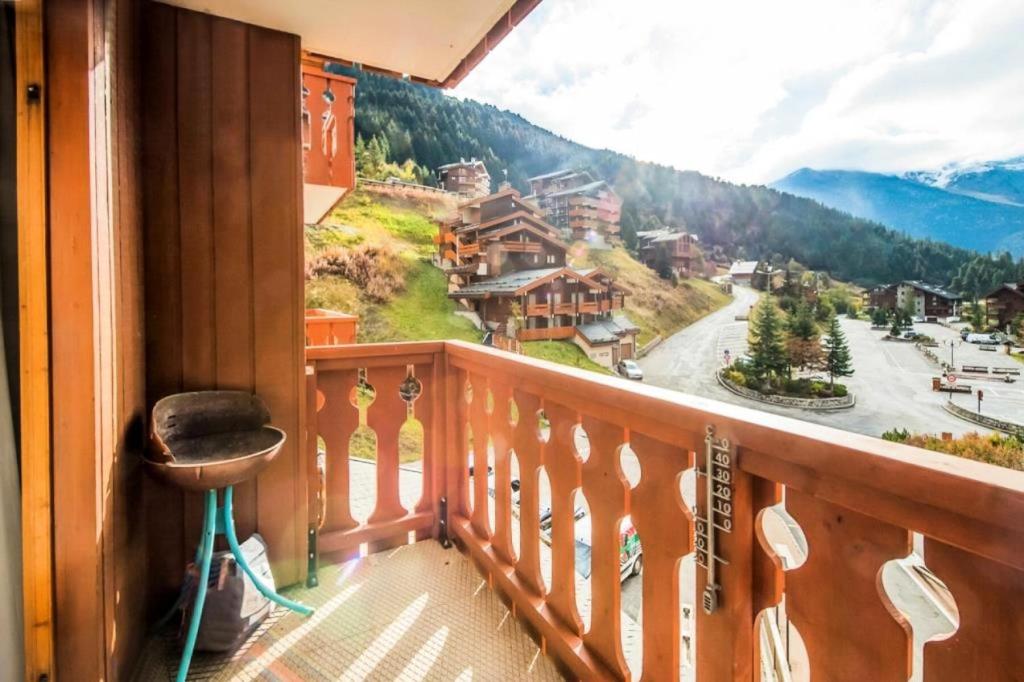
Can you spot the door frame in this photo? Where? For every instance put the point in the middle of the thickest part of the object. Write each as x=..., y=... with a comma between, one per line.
x=34, y=330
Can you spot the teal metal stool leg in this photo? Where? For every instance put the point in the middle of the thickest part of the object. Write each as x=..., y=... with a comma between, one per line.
x=204, y=556
x=228, y=520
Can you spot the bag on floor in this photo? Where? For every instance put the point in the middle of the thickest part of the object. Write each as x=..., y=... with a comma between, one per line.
x=234, y=607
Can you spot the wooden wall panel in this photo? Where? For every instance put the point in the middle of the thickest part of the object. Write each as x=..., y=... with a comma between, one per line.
x=232, y=244
x=96, y=340
x=224, y=257
x=77, y=536
x=162, y=257
x=125, y=638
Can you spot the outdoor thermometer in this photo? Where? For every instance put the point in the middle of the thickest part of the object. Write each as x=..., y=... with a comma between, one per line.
x=716, y=517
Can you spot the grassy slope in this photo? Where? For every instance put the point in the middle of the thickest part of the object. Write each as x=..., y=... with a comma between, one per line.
x=654, y=304
x=406, y=227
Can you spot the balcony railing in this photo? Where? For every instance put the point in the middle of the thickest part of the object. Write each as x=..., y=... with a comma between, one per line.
x=330, y=328
x=565, y=308
x=521, y=247
x=538, y=309
x=858, y=501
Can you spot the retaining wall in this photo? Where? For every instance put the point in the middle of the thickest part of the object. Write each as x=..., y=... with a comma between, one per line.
x=820, y=404
x=983, y=420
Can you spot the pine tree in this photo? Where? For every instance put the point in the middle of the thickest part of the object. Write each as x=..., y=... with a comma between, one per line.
x=802, y=342
x=766, y=349
x=879, y=317
x=838, y=362
x=978, y=316
x=896, y=328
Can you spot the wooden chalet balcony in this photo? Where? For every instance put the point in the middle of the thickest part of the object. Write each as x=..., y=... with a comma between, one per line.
x=469, y=249
x=565, y=308
x=857, y=500
x=521, y=247
x=591, y=307
x=538, y=309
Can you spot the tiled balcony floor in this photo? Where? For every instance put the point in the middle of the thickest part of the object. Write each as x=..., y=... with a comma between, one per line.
x=418, y=612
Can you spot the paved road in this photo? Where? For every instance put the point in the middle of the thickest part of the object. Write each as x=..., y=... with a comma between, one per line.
x=892, y=380
x=1001, y=399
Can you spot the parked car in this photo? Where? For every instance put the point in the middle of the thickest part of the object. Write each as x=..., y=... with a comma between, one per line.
x=982, y=338
x=630, y=370
x=911, y=335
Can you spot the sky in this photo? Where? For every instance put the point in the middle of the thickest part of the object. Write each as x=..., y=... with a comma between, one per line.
x=752, y=90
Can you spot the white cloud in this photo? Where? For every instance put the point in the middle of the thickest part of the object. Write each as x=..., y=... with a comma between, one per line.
x=751, y=90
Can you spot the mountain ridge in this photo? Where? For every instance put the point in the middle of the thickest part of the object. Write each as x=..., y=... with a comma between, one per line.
x=979, y=208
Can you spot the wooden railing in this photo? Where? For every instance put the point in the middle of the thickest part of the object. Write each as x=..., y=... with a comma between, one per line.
x=330, y=327
x=538, y=309
x=338, y=379
x=591, y=307
x=857, y=500
x=469, y=249
x=521, y=247
x=565, y=308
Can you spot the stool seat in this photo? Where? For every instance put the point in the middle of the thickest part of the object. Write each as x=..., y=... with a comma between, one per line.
x=212, y=439
x=206, y=440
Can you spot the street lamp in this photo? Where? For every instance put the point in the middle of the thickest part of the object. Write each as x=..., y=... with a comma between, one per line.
x=952, y=344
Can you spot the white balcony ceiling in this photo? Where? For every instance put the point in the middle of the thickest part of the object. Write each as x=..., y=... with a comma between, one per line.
x=422, y=38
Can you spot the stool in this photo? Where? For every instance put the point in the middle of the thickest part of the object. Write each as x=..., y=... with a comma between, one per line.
x=207, y=441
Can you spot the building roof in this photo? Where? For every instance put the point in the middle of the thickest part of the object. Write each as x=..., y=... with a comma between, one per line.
x=589, y=187
x=1015, y=287
x=552, y=174
x=607, y=329
x=525, y=216
x=932, y=289
x=744, y=267
x=598, y=332
x=625, y=323
x=670, y=237
x=518, y=283
x=472, y=163
x=521, y=227
x=591, y=273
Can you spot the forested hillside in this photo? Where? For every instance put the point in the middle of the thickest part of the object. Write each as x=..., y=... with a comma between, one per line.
x=733, y=220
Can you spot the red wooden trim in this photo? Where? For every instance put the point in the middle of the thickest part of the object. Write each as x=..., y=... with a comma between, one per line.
x=343, y=540
x=501, y=28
